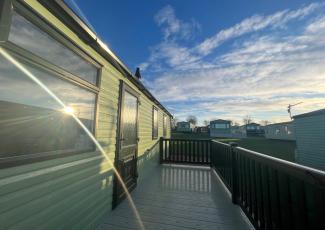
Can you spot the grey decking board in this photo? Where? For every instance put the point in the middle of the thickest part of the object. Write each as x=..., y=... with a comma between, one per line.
x=210, y=219
x=158, y=224
x=155, y=196
x=180, y=204
x=198, y=204
x=178, y=222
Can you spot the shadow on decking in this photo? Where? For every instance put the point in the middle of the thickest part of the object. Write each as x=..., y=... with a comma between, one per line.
x=179, y=197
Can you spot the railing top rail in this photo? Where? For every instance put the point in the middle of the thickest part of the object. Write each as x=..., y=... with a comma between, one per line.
x=221, y=143
x=294, y=169
x=185, y=139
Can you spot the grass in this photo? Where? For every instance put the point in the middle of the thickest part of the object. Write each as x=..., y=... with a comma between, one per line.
x=178, y=135
x=277, y=148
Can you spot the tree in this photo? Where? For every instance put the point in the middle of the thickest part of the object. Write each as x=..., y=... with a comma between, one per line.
x=247, y=120
x=192, y=119
x=265, y=122
x=174, y=122
x=206, y=122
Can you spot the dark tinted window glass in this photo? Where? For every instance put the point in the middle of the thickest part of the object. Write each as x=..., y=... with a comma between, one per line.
x=130, y=119
x=26, y=35
x=165, y=125
x=32, y=122
x=155, y=123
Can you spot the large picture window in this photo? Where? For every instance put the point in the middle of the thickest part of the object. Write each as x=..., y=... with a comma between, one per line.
x=25, y=34
x=32, y=124
x=154, y=123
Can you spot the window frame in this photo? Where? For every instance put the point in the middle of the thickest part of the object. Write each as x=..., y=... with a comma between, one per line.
x=46, y=26
x=29, y=58
x=154, y=137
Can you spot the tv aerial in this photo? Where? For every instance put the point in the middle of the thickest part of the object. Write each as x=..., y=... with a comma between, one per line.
x=289, y=108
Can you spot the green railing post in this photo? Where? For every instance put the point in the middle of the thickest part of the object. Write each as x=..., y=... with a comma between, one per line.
x=234, y=173
x=161, y=149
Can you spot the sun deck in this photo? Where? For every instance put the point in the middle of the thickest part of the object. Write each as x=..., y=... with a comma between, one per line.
x=179, y=197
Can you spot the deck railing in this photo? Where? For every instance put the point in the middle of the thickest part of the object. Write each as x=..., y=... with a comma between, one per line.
x=273, y=193
x=185, y=151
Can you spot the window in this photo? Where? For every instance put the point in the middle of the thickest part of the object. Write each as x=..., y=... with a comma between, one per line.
x=154, y=123
x=32, y=123
x=221, y=126
x=26, y=35
x=165, y=125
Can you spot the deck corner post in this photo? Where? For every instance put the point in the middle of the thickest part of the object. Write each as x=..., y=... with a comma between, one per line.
x=234, y=172
x=161, y=149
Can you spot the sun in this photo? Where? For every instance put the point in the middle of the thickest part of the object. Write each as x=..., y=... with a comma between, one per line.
x=68, y=110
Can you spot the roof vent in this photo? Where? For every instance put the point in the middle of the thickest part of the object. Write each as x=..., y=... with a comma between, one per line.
x=137, y=73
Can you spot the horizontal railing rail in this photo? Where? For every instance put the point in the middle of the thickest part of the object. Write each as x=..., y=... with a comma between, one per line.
x=273, y=193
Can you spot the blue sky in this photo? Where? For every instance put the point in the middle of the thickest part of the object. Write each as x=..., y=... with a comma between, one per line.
x=220, y=59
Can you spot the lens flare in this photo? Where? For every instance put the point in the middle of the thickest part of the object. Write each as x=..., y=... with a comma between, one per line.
x=68, y=110
x=23, y=69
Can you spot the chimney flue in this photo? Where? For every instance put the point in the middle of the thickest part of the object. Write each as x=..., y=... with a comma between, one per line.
x=137, y=73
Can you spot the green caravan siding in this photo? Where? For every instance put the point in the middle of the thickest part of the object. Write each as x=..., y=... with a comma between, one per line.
x=310, y=136
x=75, y=192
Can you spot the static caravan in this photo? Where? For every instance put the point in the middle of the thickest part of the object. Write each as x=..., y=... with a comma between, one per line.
x=280, y=131
x=70, y=112
x=185, y=126
x=220, y=128
x=202, y=129
x=254, y=130
x=238, y=131
x=310, y=136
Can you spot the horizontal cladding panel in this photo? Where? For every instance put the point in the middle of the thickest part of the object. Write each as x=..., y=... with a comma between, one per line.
x=77, y=177
x=56, y=211
x=9, y=174
x=37, y=177
x=92, y=217
x=108, y=125
x=54, y=196
x=56, y=200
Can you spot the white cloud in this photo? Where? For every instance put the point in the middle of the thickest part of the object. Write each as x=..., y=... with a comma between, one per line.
x=317, y=26
x=174, y=28
x=253, y=24
x=171, y=53
x=259, y=75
